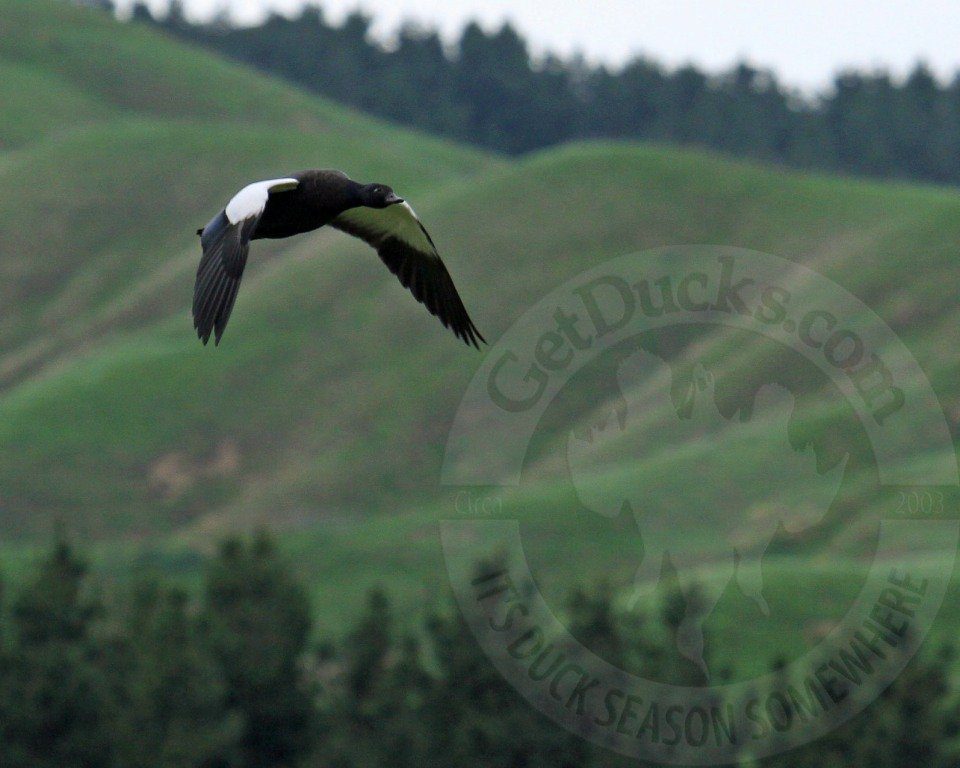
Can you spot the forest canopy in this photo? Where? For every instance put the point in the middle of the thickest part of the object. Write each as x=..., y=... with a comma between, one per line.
x=487, y=89
x=237, y=676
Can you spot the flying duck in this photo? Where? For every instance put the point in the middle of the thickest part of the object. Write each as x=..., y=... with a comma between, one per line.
x=307, y=201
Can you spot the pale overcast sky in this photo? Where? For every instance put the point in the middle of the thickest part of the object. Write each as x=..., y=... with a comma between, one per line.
x=805, y=41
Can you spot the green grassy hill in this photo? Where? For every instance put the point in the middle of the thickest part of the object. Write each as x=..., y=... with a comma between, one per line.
x=325, y=410
x=120, y=143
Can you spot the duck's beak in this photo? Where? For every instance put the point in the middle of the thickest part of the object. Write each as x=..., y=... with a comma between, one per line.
x=393, y=199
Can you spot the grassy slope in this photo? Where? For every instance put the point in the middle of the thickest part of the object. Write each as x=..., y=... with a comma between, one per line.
x=331, y=396
x=335, y=451
x=120, y=143
x=318, y=347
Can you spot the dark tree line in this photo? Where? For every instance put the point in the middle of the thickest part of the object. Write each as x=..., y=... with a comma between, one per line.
x=487, y=90
x=235, y=678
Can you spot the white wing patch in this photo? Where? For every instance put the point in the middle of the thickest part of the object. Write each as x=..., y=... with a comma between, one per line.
x=397, y=221
x=252, y=199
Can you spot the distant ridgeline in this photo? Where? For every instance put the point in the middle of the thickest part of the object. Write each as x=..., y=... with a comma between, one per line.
x=487, y=90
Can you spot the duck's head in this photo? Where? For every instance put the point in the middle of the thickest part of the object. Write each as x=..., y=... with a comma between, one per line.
x=379, y=196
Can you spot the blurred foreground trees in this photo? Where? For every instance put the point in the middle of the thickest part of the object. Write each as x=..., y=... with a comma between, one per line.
x=488, y=89
x=235, y=678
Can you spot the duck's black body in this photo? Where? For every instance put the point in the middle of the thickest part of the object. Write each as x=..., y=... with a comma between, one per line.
x=318, y=199
x=307, y=201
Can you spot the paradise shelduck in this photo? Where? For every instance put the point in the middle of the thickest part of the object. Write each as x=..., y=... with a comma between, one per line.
x=309, y=200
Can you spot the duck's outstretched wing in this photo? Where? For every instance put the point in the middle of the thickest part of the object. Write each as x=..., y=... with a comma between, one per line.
x=407, y=249
x=226, y=242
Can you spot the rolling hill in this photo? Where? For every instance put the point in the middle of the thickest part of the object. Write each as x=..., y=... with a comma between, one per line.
x=129, y=141
x=325, y=410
